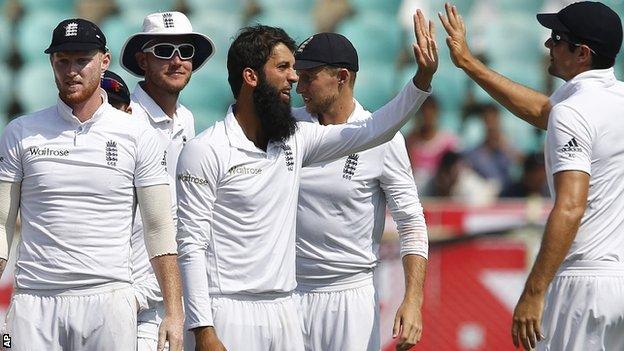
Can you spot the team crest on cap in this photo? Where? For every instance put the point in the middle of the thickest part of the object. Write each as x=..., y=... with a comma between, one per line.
x=71, y=29
x=168, y=20
x=303, y=45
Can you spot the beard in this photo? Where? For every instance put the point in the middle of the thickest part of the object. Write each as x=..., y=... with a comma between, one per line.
x=72, y=98
x=276, y=118
x=322, y=106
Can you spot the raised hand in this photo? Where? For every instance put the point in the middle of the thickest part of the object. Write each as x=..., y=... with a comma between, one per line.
x=454, y=25
x=425, y=48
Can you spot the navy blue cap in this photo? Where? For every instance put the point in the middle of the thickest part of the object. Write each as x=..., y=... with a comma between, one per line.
x=322, y=49
x=76, y=34
x=591, y=23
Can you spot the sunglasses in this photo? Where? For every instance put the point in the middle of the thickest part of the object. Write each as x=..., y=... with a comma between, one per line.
x=165, y=51
x=557, y=38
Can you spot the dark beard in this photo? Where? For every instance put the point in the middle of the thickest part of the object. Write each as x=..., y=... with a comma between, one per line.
x=276, y=118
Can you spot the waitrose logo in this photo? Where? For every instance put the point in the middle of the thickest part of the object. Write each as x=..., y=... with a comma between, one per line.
x=192, y=179
x=46, y=151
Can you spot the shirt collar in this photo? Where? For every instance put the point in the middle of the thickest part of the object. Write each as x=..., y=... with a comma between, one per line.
x=235, y=134
x=150, y=106
x=594, y=77
x=355, y=115
x=66, y=112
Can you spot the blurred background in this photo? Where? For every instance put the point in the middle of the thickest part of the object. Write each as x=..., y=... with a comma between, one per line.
x=479, y=170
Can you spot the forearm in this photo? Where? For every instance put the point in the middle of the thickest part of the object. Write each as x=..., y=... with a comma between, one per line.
x=528, y=104
x=414, y=270
x=3, y=263
x=559, y=234
x=168, y=275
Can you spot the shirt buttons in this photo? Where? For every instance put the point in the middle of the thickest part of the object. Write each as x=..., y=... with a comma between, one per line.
x=79, y=129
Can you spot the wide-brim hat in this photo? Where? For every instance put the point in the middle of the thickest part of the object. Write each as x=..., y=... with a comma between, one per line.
x=165, y=24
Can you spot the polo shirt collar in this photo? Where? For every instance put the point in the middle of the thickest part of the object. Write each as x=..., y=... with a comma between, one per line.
x=356, y=115
x=594, y=77
x=66, y=112
x=155, y=113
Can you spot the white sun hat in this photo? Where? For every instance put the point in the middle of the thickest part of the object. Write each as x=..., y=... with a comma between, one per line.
x=165, y=24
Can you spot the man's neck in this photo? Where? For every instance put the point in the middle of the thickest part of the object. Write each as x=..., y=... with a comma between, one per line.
x=250, y=122
x=168, y=102
x=85, y=110
x=339, y=111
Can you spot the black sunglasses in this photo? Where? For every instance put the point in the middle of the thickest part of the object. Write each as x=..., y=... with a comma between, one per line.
x=559, y=37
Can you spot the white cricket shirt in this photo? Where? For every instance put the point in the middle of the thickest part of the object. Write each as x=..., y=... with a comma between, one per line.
x=172, y=134
x=342, y=210
x=77, y=193
x=586, y=133
x=237, y=204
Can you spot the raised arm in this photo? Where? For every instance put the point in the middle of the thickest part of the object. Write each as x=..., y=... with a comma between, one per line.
x=155, y=204
x=9, y=204
x=335, y=141
x=526, y=103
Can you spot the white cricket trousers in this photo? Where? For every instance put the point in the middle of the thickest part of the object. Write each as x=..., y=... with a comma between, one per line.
x=255, y=323
x=148, y=326
x=102, y=318
x=584, y=308
x=344, y=320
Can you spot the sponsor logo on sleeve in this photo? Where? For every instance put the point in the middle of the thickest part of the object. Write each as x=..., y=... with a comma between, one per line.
x=350, y=166
x=46, y=151
x=188, y=178
x=571, y=148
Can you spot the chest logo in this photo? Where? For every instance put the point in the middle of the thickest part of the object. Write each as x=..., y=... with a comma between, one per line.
x=288, y=156
x=111, y=153
x=243, y=170
x=350, y=166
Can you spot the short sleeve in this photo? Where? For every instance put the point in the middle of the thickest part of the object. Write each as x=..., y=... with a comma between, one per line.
x=10, y=154
x=148, y=169
x=569, y=138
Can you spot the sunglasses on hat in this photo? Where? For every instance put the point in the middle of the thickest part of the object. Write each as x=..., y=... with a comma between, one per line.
x=165, y=51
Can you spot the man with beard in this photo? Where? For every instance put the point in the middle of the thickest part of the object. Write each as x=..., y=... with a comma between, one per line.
x=338, y=234
x=573, y=298
x=165, y=54
x=237, y=193
x=73, y=170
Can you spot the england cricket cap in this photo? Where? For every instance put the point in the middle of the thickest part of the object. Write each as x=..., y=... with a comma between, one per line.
x=161, y=24
x=330, y=49
x=115, y=87
x=76, y=34
x=587, y=22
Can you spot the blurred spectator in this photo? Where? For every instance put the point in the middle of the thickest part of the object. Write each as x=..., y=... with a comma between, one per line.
x=426, y=143
x=328, y=13
x=493, y=158
x=455, y=180
x=533, y=179
x=95, y=10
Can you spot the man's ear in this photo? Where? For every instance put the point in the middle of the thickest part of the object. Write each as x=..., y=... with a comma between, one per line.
x=141, y=59
x=250, y=77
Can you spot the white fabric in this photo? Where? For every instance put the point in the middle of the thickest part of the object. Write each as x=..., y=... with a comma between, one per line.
x=148, y=324
x=237, y=203
x=9, y=205
x=97, y=321
x=155, y=203
x=346, y=320
x=341, y=210
x=257, y=324
x=585, y=133
x=172, y=134
x=584, y=309
x=77, y=193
